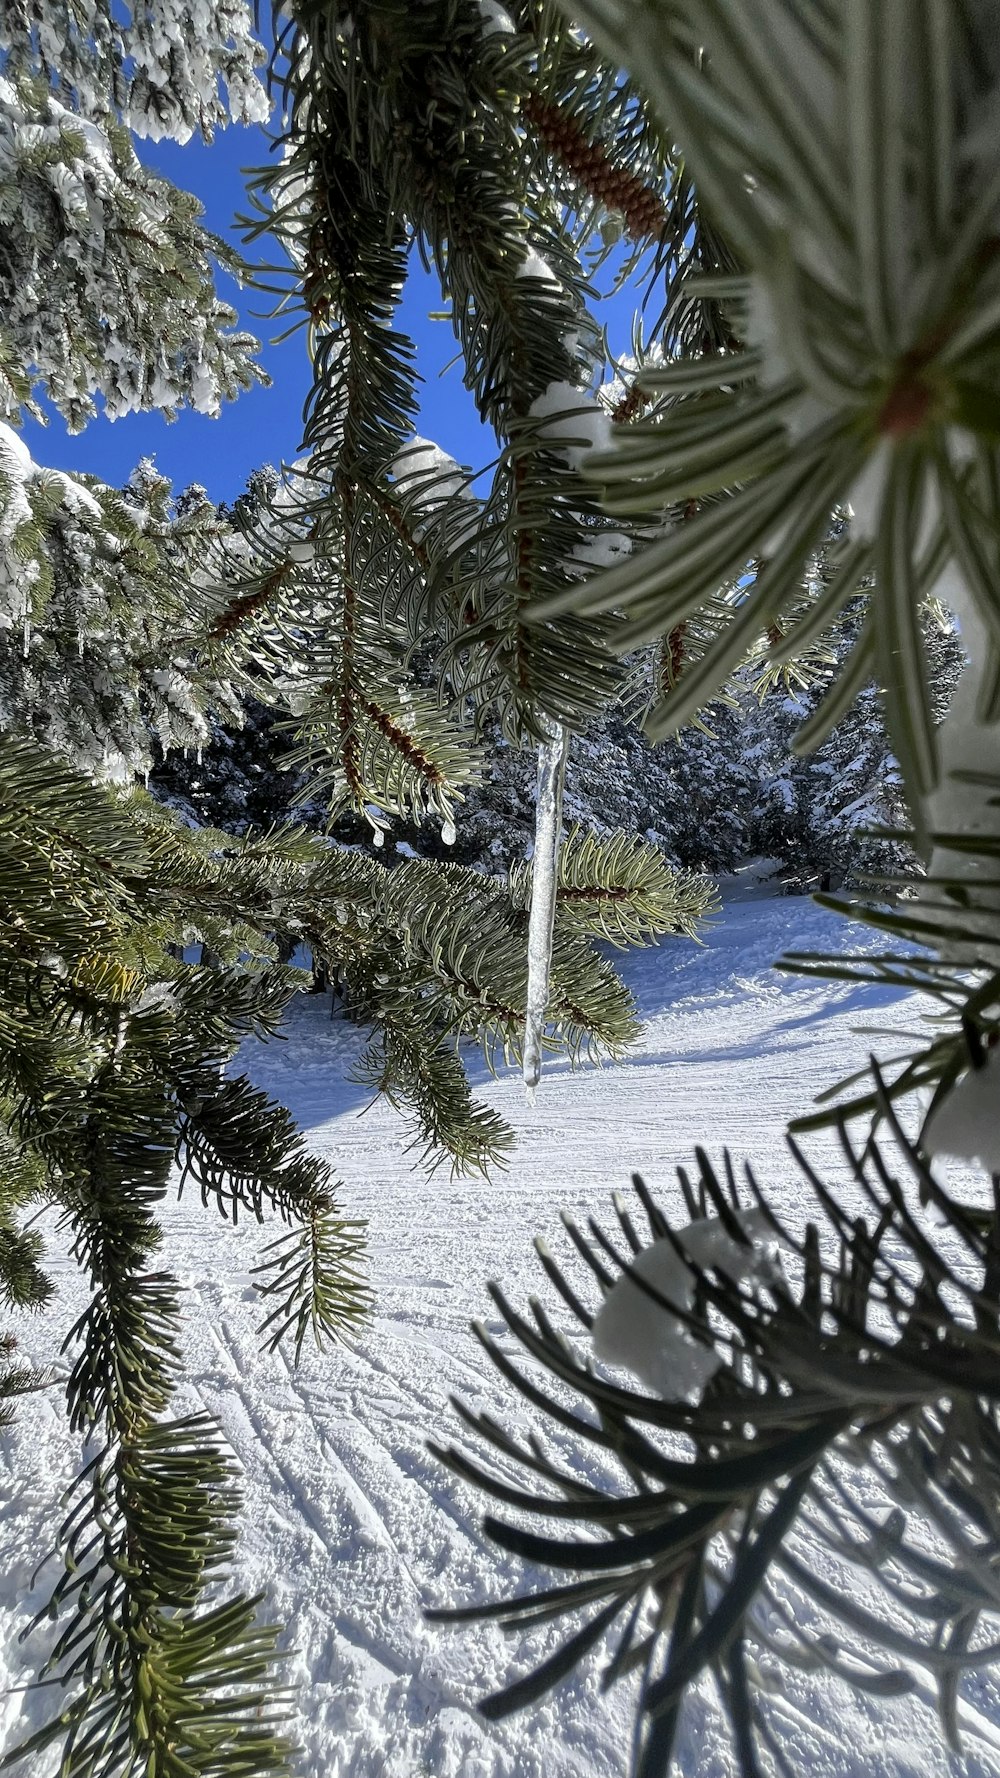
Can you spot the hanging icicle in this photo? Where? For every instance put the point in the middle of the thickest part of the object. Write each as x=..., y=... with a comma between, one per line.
x=544, y=877
x=378, y=825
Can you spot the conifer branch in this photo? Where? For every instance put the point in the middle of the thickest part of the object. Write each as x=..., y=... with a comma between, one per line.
x=404, y=744
x=643, y=208
x=852, y=1361
x=247, y=605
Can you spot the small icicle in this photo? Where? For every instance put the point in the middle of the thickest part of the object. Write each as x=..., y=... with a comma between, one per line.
x=79, y=643
x=198, y=755
x=373, y=816
x=26, y=645
x=448, y=831
x=544, y=877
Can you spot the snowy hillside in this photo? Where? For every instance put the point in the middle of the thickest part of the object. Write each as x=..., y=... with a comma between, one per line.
x=352, y=1528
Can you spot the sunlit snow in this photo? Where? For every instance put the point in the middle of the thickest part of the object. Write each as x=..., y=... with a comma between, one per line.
x=351, y=1528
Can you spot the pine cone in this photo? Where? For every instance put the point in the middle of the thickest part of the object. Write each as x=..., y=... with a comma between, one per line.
x=643, y=208
x=672, y=657
x=630, y=406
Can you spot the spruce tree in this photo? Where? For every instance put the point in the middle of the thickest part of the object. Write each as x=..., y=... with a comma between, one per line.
x=806, y=194
x=839, y=1382
x=835, y=813
x=131, y=622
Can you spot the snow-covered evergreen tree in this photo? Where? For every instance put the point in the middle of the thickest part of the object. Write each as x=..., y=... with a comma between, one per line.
x=852, y=365
x=106, y=272
x=163, y=71
x=108, y=302
x=101, y=615
x=823, y=813
x=127, y=620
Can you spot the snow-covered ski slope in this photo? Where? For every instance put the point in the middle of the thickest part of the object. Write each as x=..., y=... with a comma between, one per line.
x=351, y=1528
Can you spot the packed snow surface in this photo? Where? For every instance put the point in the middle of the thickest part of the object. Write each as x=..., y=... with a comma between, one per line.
x=351, y=1528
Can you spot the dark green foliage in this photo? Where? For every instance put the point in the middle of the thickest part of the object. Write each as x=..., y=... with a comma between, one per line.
x=110, y=1069
x=431, y=132
x=113, y=1069
x=620, y=889
x=23, y=1284
x=158, y=1677
x=429, y=954
x=15, y=1378
x=234, y=781
x=433, y=954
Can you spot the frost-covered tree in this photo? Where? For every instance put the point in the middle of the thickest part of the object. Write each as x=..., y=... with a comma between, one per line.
x=106, y=273
x=817, y=263
x=102, y=614
x=106, y=281
x=127, y=620
x=163, y=71
x=836, y=813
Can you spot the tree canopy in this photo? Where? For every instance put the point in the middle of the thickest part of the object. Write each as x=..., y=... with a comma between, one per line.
x=792, y=464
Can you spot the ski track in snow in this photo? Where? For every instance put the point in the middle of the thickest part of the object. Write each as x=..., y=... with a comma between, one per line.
x=350, y=1526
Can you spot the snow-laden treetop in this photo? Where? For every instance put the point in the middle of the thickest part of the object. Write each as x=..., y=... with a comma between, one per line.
x=165, y=70
x=101, y=609
x=107, y=277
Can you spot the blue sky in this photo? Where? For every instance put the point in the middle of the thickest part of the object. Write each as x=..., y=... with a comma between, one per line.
x=263, y=425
